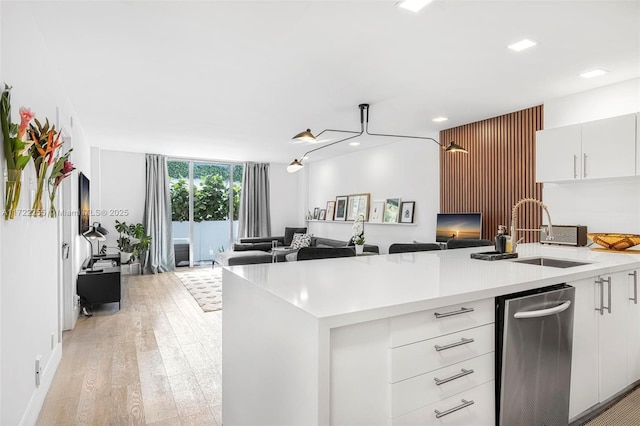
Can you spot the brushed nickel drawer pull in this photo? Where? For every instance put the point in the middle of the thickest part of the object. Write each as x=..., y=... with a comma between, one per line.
x=449, y=379
x=635, y=287
x=608, y=280
x=462, y=341
x=450, y=314
x=601, y=286
x=575, y=170
x=464, y=404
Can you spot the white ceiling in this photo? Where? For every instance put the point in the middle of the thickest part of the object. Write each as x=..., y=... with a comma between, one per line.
x=236, y=80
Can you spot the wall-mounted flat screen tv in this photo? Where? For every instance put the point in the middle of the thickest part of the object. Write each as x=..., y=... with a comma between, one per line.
x=451, y=226
x=84, y=203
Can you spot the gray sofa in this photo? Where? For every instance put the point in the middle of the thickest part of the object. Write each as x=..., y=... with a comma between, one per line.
x=249, y=251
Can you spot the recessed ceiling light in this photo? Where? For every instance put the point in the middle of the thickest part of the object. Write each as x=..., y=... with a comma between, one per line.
x=522, y=45
x=354, y=143
x=440, y=119
x=594, y=73
x=413, y=5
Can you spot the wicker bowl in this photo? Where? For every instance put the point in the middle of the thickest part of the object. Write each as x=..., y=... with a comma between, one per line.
x=615, y=241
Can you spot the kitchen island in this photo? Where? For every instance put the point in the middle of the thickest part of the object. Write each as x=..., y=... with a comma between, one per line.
x=346, y=341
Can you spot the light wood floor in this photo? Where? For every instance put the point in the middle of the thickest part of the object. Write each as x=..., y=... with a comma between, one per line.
x=156, y=361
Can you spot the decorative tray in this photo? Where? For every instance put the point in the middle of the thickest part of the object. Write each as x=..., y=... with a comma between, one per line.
x=616, y=242
x=493, y=255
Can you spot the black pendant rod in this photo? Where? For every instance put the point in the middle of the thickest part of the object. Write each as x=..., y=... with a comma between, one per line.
x=366, y=128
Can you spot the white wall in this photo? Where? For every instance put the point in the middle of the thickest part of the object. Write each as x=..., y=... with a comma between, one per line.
x=603, y=102
x=408, y=169
x=118, y=192
x=30, y=309
x=611, y=205
x=284, y=199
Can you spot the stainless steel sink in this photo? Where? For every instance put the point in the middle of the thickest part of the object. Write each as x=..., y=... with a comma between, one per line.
x=552, y=262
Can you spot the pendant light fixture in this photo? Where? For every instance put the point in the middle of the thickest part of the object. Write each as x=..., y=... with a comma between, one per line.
x=307, y=136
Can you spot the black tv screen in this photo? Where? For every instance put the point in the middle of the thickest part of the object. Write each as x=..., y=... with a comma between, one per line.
x=84, y=202
x=451, y=226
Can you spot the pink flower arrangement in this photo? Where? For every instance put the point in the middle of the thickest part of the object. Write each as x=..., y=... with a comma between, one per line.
x=46, y=140
x=16, y=150
x=25, y=118
x=62, y=168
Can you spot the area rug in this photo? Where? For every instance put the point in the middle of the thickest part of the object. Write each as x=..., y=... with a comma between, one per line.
x=625, y=412
x=205, y=285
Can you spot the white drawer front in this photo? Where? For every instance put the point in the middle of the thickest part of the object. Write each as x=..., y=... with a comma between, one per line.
x=480, y=413
x=428, y=355
x=414, y=393
x=405, y=329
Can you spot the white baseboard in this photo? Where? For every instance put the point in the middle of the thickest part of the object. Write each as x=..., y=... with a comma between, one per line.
x=32, y=412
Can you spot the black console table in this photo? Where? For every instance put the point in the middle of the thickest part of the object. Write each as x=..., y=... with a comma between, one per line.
x=102, y=285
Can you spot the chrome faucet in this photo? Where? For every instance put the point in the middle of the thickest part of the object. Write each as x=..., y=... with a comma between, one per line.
x=514, y=221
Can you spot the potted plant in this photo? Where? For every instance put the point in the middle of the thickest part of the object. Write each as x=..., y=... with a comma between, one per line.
x=132, y=242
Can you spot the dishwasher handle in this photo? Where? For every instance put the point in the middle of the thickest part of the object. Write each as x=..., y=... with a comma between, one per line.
x=543, y=312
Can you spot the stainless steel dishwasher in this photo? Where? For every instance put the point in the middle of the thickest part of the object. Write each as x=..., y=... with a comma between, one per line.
x=534, y=336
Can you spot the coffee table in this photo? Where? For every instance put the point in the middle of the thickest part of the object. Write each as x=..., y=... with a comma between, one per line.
x=280, y=251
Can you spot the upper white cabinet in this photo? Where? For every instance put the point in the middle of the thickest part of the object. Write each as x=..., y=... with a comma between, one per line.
x=609, y=147
x=558, y=154
x=597, y=149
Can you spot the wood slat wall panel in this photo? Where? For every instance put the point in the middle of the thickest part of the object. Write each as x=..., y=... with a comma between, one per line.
x=498, y=171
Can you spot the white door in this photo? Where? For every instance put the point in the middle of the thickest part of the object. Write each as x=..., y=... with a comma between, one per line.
x=609, y=147
x=69, y=299
x=633, y=330
x=613, y=336
x=584, y=361
x=66, y=204
x=558, y=154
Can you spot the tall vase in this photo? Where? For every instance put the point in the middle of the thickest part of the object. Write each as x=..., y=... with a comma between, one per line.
x=52, y=200
x=12, y=193
x=37, y=209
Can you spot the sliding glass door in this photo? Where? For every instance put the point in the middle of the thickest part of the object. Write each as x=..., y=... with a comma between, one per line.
x=205, y=200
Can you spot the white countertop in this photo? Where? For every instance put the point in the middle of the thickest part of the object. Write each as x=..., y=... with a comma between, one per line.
x=351, y=290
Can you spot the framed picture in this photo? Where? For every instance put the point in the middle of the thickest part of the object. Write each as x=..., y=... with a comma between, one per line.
x=322, y=214
x=406, y=211
x=316, y=213
x=377, y=211
x=331, y=207
x=358, y=205
x=341, y=207
x=391, y=210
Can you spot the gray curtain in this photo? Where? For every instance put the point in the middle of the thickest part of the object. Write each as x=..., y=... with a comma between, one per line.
x=157, y=216
x=255, y=212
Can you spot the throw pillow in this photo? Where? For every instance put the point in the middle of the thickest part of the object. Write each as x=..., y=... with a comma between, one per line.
x=288, y=234
x=300, y=240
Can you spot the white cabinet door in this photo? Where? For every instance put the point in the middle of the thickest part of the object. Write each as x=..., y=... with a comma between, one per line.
x=612, y=333
x=558, y=154
x=633, y=330
x=638, y=144
x=609, y=147
x=584, y=361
